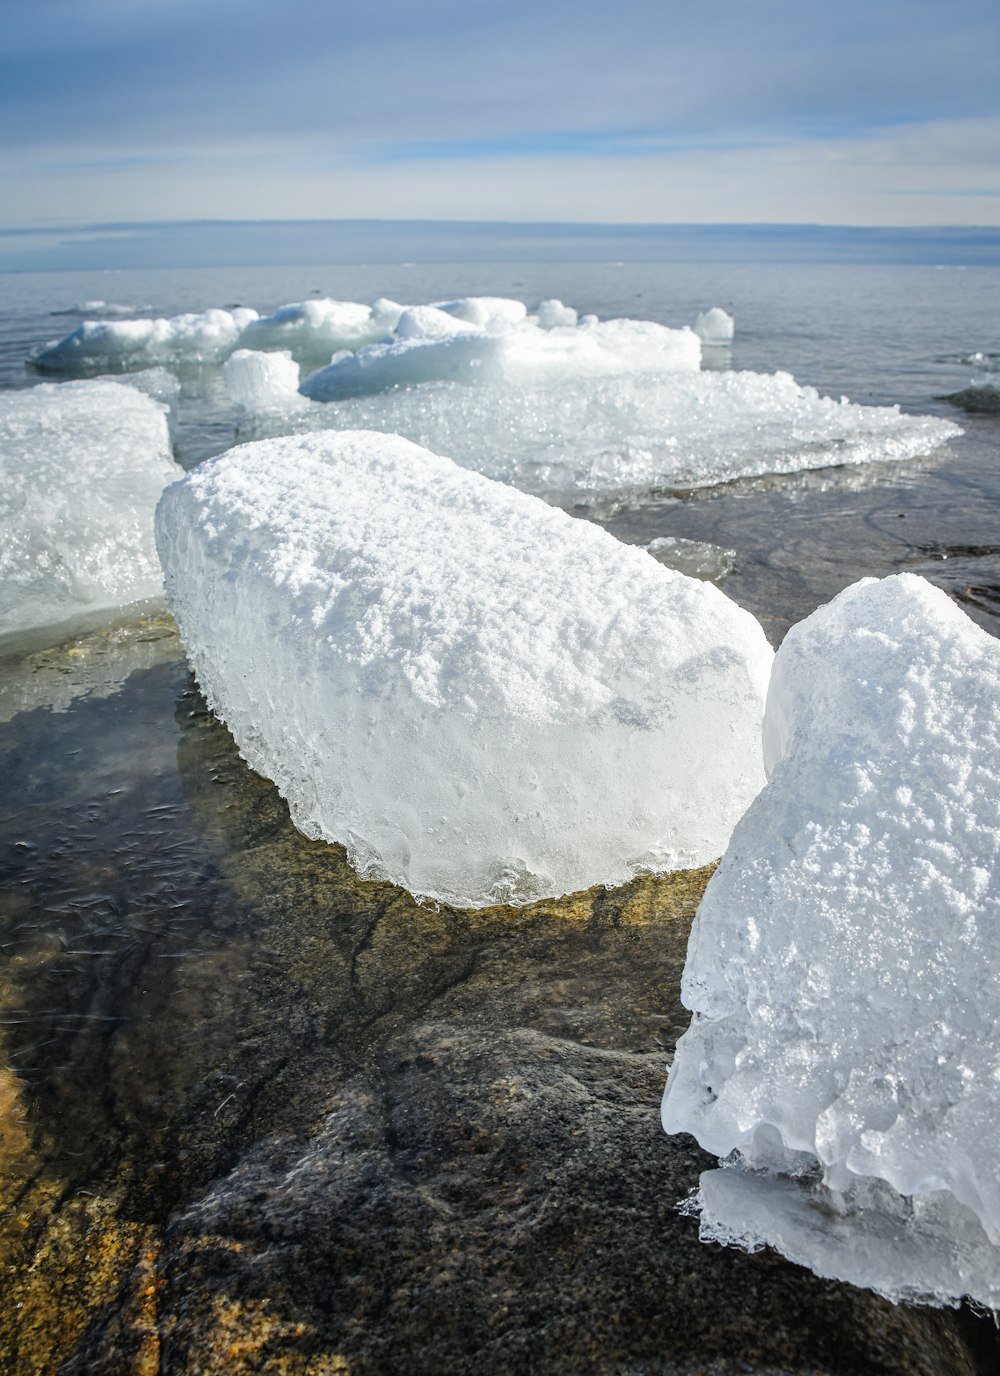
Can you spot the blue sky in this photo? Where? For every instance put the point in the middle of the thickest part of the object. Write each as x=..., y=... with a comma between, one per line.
x=885, y=112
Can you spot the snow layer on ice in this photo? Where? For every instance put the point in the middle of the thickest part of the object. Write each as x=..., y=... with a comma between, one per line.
x=115, y=345
x=558, y=429
x=483, y=698
x=83, y=464
x=843, y=967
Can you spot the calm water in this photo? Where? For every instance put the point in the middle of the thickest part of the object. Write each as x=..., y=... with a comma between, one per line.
x=125, y=808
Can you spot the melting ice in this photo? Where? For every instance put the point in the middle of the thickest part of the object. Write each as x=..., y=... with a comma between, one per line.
x=844, y=962
x=484, y=699
x=82, y=464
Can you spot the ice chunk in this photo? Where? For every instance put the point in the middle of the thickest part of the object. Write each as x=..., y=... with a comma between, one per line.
x=82, y=464
x=696, y=558
x=318, y=328
x=427, y=349
x=562, y=428
x=843, y=967
x=715, y=326
x=482, y=697
x=552, y=313
x=263, y=381
x=118, y=345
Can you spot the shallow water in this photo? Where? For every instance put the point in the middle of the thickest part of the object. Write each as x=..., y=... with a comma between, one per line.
x=188, y=985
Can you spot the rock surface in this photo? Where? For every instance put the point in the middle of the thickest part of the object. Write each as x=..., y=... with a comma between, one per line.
x=259, y=1116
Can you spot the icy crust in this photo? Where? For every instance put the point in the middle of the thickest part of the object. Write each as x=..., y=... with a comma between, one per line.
x=432, y=344
x=553, y=429
x=843, y=965
x=482, y=698
x=83, y=465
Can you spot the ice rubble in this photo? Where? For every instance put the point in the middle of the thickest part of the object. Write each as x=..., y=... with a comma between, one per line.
x=83, y=464
x=482, y=697
x=844, y=962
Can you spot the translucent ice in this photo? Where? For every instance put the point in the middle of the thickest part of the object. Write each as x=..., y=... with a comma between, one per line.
x=553, y=424
x=82, y=464
x=482, y=697
x=117, y=345
x=843, y=967
x=696, y=558
x=715, y=326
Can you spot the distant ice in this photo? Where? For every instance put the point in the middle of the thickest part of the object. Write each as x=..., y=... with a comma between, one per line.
x=83, y=464
x=715, y=326
x=117, y=345
x=483, y=698
x=844, y=963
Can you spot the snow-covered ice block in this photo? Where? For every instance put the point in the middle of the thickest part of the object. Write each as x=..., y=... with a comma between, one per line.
x=82, y=466
x=116, y=345
x=263, y=381
x=715, y=326
x=430, y=345
x=321, y=327
x=844, y=965
x=483, y=698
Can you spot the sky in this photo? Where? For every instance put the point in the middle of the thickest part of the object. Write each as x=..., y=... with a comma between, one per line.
x=862, y=112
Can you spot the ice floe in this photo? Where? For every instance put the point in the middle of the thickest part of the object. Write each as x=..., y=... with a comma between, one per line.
x=481, y=697
x=557, y=428
x=117, y=345
x=82, y=464
x=844, y=963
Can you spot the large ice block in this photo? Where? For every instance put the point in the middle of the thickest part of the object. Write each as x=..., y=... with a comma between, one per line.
x=844, y=966
x=483, y=698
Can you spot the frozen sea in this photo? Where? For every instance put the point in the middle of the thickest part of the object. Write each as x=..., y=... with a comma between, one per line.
x=112, y=860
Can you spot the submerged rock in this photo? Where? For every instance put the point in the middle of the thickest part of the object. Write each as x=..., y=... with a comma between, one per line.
x=481, y=697
x=843, y=966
